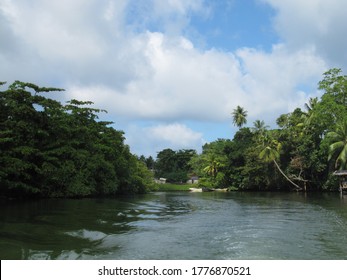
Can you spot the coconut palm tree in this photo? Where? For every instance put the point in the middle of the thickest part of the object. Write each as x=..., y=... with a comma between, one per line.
x=213, y=165
x=259, y=125
x=339, y=145
x=309, y=115
x=239, y=116
x=271, y=153
x=259, y=129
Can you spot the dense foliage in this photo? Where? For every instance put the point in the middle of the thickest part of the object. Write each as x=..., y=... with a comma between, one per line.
x=301, y=154
x=53, y=150
x=174, y=165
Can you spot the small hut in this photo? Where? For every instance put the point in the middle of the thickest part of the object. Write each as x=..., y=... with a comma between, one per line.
x=343, y=179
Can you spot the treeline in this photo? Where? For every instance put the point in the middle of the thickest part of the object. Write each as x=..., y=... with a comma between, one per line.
x=49, y=149
x=301, y=154
x=53, y=150
x=172, y=165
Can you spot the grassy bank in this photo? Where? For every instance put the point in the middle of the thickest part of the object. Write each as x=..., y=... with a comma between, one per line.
x=172, y=187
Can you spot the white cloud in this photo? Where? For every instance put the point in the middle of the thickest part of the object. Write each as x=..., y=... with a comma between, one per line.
x=272, y=81
x=150, y=139
x=182, y=83
x=133, y=59
x=69, y=41
x=316, y=23
x=147, y=75
x=176, y=134
x=170, y=16
x=174, y=81
x=50, y=29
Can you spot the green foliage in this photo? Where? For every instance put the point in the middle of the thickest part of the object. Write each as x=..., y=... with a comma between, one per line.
x=210, y=166
x=54, y=150
x=303, y=152
x=149, y=162
x=338, y=145
x=174, y=165
x=51, y=149
x=239, y=116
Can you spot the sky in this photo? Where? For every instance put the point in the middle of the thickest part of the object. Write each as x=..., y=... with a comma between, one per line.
x=170, y=72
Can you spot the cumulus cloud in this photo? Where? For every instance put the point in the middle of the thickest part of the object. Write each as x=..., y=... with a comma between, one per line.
x=72, y=41
x=147, y=75
x=151, y=139
x=170, y=17
x=178, y=82
x=272, y=80
x=175, y=134
x=315, y=23
x=184, y=83
x=136, y=61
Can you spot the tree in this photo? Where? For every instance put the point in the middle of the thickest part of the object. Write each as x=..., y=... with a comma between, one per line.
x=271, y=152
x=52, y=150
x=239, y=116
x=308, y=116
x=259, y=126
x=150, y=163
x=335, y=84
x=259, y=129
x=213, y=165
x=339, y=145
x=236, y=152
x=174, y=165
x=22, y=132
x=210, y=165
x=311, y=104
x=332, y=108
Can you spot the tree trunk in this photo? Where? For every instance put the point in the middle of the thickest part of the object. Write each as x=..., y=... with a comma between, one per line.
x=285, y=176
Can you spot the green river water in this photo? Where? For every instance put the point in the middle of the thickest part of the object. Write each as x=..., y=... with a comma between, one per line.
x=177, y=225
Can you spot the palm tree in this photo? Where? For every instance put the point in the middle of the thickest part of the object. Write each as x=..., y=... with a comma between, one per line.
x=311, y=104
x=271, y=153
x=239, y=116
x=339, y=145
x=259, y=125
x=213, y=165
x=308, y=116
x=259, y=129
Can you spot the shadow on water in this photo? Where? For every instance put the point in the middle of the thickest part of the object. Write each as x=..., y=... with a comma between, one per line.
x=177, y=225
x=59, y=229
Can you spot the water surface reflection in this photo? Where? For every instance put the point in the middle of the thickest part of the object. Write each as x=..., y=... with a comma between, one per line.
x=177, y=226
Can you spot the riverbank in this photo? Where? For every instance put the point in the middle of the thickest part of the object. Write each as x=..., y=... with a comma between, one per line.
x=181, y=187
x=171, y=187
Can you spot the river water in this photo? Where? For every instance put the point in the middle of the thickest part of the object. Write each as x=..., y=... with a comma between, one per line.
x=177, y=225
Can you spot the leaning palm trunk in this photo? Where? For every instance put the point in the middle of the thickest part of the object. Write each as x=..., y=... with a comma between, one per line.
x=285, y=176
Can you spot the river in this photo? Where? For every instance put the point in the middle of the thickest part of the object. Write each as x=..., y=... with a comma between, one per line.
x=177, y=225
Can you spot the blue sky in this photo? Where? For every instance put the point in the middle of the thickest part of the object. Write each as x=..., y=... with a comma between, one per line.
x=170, y=72
x=236, y=24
